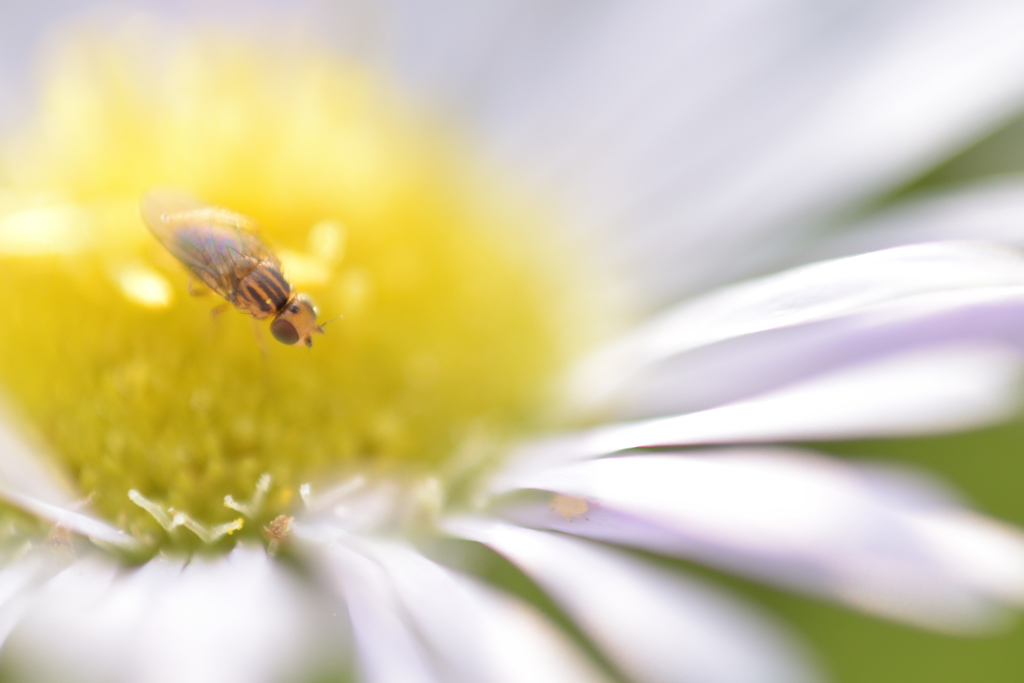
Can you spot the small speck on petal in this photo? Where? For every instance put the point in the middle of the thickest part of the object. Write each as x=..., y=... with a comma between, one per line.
x=875, y=539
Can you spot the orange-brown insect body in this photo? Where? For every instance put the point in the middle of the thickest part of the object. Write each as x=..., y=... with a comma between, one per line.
x=222, y=250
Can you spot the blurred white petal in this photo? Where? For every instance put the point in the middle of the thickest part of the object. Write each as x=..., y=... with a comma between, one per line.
x=25, y=471
x=877, y=540
x=926, y=391
x=83, y=525
x=525, y=646
x=816, y=292
x=387, y=647
x=886, y=116
x=28, y=481
x=655, y=625
x=477, y=635
x=239, y=618
x=414, y=620
x=703, y=127
x=19, y=580
x=752, y=364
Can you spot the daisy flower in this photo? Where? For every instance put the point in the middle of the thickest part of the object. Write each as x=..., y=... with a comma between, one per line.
x=562, y=347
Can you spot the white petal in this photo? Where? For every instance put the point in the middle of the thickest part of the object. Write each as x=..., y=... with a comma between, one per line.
x=803, y=295
x=29, y=473
x=76, y=522
x=655, y=625
x=926, y=391
x=757, y=363
x=477, y=634
x=388, y=648
x=708, y=125
x=874, y=126
x=239, y=618
x=29, y=481
x=524, y=646
x=877, y=540
x=437, y=608
x=685, y=130
x=414, y=620
x=19, y=580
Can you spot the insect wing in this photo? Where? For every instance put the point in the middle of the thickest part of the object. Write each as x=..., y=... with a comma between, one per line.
x=218, y=246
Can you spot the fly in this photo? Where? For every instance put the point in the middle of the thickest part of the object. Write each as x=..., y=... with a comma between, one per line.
x=223, y=251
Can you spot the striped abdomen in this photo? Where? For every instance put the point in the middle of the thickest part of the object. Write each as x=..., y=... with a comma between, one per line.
x=263, y=292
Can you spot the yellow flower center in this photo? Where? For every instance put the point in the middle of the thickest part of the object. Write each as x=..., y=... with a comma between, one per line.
x=448, y=320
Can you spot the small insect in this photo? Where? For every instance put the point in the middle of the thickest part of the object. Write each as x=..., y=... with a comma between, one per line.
x=222, y=250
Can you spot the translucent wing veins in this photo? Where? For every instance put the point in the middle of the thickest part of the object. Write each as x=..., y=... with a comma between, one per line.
x=218, y=246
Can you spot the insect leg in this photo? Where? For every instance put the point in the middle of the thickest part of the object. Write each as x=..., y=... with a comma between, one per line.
x=257, y=331
x=197, y=287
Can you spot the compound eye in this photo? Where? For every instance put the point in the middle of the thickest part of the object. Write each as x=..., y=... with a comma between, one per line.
x=284, y=332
